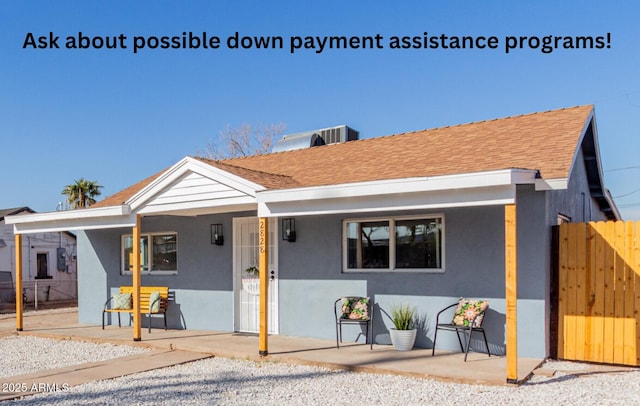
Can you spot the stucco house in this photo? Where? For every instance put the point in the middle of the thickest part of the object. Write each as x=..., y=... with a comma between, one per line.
x=50, y=272
x=419, y=218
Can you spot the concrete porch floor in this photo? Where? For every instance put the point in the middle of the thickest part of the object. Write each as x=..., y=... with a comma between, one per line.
x=447, y=366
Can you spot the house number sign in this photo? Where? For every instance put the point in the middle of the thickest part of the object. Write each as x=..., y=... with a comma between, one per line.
x=261, y=236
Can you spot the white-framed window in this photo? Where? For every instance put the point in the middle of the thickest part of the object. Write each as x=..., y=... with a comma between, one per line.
x=400, y=244
x=158, y=253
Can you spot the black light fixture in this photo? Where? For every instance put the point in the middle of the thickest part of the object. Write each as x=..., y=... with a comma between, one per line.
x=289, y=229
x=217, y=237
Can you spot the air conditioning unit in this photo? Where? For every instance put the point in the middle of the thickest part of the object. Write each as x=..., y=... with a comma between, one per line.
x=307, y=139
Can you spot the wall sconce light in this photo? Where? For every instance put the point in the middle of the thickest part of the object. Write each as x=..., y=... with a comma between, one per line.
x=289, y=229
x=217, y=237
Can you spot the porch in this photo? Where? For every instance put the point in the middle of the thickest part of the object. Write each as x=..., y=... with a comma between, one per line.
x=445, y=366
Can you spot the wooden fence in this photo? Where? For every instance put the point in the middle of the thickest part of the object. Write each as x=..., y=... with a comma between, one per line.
x=599, y=292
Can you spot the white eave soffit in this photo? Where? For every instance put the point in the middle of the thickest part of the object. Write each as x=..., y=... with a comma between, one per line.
x=407, y=185
x=471, y=189
x=69, y=220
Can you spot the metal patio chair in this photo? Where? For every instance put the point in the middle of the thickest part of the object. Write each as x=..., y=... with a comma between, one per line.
x=354, y=310
x=467, y=319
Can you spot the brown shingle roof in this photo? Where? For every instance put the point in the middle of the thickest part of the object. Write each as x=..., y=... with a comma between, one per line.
x=123, y=195
x=541, y=141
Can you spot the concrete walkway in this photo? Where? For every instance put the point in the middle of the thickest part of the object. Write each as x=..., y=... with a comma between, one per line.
x=178, y=346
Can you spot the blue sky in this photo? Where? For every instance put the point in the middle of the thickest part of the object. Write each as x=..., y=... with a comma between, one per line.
x=116, y=117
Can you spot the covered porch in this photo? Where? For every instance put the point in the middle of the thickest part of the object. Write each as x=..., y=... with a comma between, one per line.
x=444, y=366
x=192, y=190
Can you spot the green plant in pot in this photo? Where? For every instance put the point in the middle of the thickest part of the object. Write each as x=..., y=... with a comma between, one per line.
x=403, y=335
x=253, y=271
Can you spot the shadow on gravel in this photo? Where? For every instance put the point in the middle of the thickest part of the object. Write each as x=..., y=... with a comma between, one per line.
x=175, y=388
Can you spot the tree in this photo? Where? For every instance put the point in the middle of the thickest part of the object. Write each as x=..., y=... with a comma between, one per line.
x=81, y=193
x=243, y=141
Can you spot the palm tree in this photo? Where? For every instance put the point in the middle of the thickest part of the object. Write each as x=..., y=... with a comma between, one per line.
x=81, y=193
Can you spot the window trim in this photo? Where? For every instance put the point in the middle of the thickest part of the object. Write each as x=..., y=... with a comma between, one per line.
x=392, y=244
x=149, y=236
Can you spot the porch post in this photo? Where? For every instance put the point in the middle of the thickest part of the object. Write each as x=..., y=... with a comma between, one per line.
x=137, y=330
x=511, y=294
x=19, y=303
x=263, y=249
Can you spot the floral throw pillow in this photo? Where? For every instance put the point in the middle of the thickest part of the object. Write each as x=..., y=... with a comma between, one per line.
x=355, y=308
x=154, y=302
x=468, y=310
x=122, y=301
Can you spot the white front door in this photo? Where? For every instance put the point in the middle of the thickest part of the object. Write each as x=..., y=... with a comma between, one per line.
x=246, y=285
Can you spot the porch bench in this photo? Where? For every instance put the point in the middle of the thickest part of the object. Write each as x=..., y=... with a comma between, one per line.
x=148, y=306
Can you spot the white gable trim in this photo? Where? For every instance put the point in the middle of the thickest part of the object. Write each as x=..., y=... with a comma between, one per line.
x=172, y=175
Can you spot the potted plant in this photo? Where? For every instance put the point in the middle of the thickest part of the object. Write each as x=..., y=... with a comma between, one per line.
x=253, y=271
x=403, y=334
x=251, y=283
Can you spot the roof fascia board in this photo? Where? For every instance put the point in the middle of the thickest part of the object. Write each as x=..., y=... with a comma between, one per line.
x=578, y=146
x=68, y=220
x=614, y=208
x=596, y=149
x=551, y=184
x=75, y=225
x=185, y=165
x=83, y=214
x=495, y=195
x=591, y=121
x=407, y=185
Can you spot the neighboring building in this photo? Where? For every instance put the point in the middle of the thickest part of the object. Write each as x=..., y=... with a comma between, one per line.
x=416, y=218
x=49, y=260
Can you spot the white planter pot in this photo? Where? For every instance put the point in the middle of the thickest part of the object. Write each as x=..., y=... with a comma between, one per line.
x=403, y=340
x=251, y=286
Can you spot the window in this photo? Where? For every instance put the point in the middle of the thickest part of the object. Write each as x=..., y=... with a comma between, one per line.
x=42, y=263
x=400, y=243
x=158, y=253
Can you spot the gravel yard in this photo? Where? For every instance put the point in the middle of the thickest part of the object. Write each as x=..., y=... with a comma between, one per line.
x=223, y=381
x=24, y=354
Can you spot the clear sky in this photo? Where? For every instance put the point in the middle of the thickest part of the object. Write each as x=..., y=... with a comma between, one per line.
x=118, y=115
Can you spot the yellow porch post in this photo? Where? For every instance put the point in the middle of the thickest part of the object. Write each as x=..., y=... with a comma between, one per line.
x=137, y=330
x=19, y=282
x=511, y=283
x=263, y=248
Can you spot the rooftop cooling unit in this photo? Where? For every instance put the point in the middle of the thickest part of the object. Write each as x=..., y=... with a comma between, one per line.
x=332, y=135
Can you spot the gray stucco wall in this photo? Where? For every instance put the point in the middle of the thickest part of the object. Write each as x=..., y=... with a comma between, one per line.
x=203, y=286
x=311, y=277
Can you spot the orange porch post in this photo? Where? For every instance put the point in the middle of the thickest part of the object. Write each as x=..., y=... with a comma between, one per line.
x=511, y=294
x=137, y=330
x=263, y=249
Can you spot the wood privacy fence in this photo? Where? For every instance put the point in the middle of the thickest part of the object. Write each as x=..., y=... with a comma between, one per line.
x=599, y=292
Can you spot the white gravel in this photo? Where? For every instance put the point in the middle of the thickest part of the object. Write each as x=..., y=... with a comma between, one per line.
x=220, y=381
x=25, y=354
